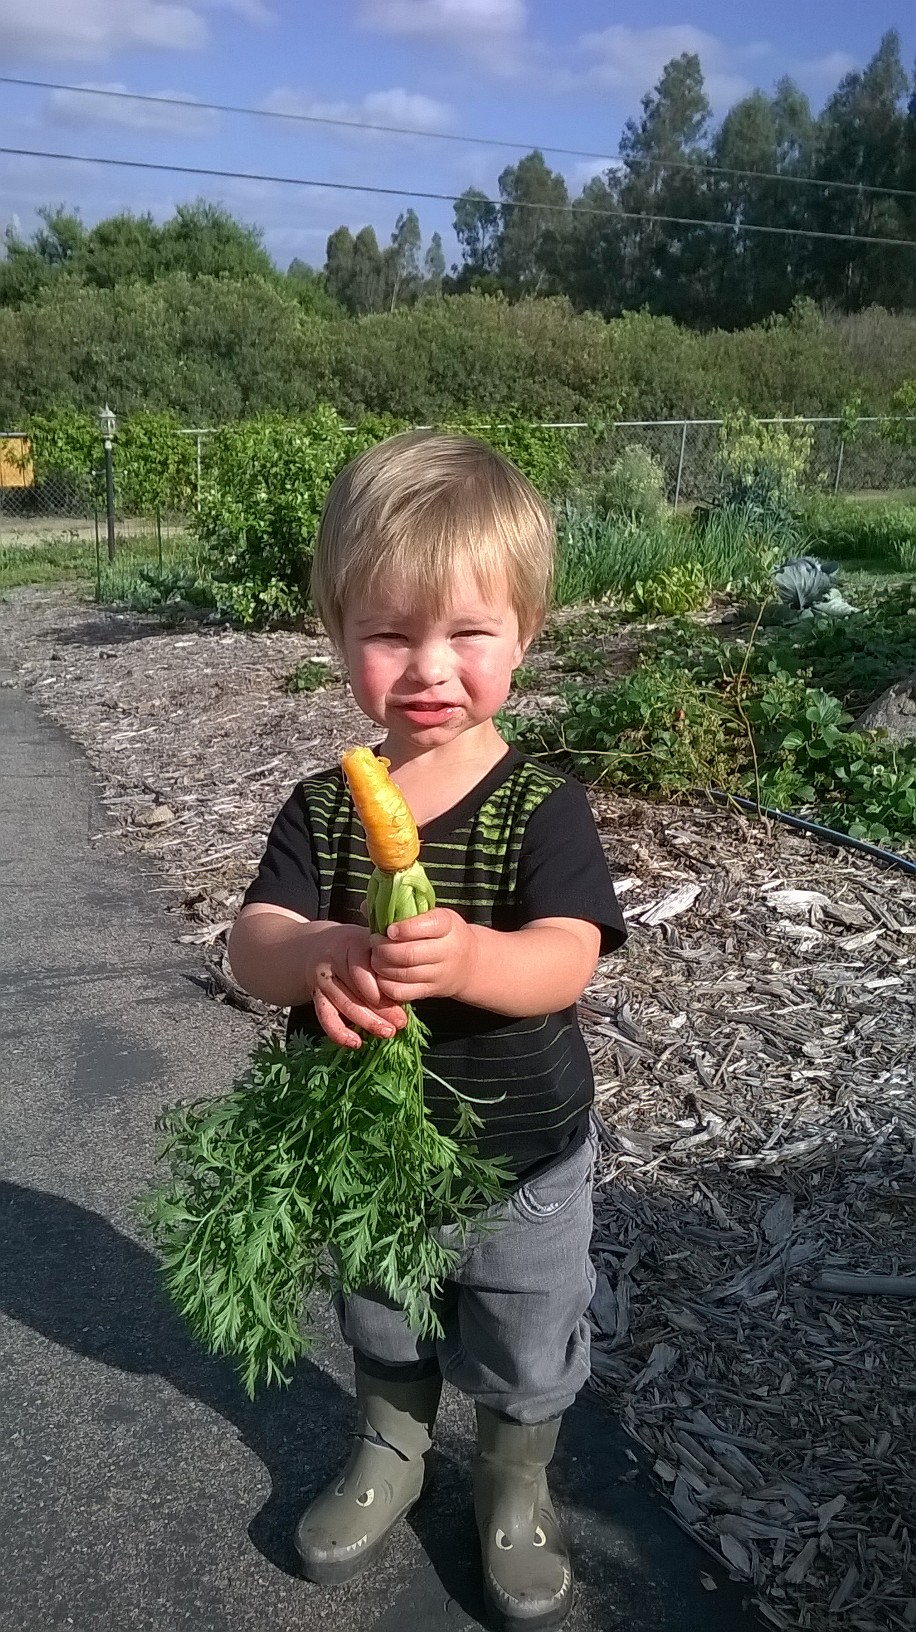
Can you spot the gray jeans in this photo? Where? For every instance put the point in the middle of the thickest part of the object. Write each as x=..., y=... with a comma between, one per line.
x=516, y=1338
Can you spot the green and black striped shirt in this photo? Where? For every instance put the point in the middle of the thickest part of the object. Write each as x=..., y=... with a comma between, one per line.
x=520, y=846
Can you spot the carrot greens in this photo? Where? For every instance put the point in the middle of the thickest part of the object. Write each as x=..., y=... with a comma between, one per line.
x=321, y=1170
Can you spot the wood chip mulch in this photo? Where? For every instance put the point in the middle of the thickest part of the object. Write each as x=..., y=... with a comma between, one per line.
x=755, y=1054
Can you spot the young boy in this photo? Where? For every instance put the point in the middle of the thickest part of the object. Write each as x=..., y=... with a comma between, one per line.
x=431, y=573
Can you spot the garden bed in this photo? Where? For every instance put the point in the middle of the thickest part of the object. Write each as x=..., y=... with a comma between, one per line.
x=754, y=1055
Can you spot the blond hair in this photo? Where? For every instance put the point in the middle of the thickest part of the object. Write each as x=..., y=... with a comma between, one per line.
x=413, y=510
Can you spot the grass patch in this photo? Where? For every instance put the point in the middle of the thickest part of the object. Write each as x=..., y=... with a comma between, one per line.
x=172, y=580
x=46, y=563
x=861, y=530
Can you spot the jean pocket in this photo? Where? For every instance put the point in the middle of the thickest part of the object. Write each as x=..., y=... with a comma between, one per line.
x=551, y=1193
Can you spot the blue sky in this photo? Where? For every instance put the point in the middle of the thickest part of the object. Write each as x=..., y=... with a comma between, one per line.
x=531, y=71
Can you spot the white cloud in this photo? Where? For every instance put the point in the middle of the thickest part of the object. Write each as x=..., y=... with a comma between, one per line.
x=460, y=22
x=63, y=30
x=408, y=109
x=80, y=108
x=94, y=30
x=821, y=72
x=631, y=59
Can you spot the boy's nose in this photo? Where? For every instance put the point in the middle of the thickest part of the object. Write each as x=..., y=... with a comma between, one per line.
x=430, y=664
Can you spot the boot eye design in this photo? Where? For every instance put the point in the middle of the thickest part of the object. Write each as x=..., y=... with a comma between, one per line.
x=503, y=1542
x=366, y=1498
x=540, y=1540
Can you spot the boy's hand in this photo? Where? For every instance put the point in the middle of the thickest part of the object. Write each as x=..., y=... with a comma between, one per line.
x=346, y=993
x=432, y=955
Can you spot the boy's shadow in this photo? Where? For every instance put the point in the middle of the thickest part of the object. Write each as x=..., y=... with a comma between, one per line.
x=70, y=1275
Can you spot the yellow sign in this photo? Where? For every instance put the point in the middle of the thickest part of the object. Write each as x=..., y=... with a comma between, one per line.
x=16, y=469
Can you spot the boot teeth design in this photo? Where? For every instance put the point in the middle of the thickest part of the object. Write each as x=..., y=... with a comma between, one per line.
x=349, y=1524
x=527, y=1576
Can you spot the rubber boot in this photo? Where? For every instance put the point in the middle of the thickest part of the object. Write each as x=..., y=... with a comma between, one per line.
x=526, y=1570
x=346, y=1528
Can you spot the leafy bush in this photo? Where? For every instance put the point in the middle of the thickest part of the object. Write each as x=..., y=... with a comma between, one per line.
x=216, y=348
x=670, y=594
x=635, y=488
x=154, y=463
x=700, y=713
x=542, y=454
x=309, y=675
x=656, y=731
x=261, y=503
x=759, y=471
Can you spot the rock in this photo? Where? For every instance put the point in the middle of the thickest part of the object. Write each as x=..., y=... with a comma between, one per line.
x=893, y=712
x=157, y=816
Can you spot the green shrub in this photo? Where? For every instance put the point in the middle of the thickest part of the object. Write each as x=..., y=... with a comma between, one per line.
x=155, y=465
x=672, y=593
x=542, y=454
x=309, y=676
x=759, y=471
x=635, y=488
x=266, y=481
x=699, y=713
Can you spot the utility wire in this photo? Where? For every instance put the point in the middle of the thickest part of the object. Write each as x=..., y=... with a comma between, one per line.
x=573, y=212
x=449, y=136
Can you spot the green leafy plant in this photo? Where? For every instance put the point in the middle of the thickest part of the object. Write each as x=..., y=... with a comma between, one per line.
x=322, y=1169
x=540, y=452
x=861, y=530
x=635, y=488
x=669, y=594
x=761, y=467
x=261, y=502
x=309, y=675
x=699, y=712
x=525, y=677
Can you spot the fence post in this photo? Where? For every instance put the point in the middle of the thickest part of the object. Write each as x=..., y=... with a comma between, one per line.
x=680, y=465
x=200, y=465
x=839, y=466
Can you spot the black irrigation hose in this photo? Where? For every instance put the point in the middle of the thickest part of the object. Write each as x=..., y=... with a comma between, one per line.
x=890, y=858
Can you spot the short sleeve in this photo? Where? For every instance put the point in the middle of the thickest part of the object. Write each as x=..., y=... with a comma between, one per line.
x=563, y=871
x=288, y=873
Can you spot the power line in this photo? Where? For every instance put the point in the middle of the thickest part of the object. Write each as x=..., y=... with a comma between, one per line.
x=450, y=136
x=454, y=198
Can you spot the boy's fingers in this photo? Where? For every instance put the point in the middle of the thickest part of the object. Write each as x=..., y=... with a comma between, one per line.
x=364, y=983
x=333, y=1025
x=388, y=959
x=382, y=1022
x=427, y=926
x=397, y=989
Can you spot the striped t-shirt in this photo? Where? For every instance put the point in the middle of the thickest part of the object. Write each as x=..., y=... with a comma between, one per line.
x=522, y=845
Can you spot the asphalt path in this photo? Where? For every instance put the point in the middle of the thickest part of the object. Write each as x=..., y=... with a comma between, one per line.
x=140, y=1491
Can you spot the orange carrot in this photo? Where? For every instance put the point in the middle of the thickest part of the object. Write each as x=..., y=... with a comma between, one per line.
x=391, y=832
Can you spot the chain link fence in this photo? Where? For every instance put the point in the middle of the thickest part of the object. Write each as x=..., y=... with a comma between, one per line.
x=848, y=457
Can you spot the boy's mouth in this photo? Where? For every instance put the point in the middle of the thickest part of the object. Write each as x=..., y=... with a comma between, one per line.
x=427, y=713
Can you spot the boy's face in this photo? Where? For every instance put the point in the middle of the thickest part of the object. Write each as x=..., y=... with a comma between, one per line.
x=430, y=679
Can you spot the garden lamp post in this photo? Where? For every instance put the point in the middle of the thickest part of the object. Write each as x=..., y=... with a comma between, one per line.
x=107, y=425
